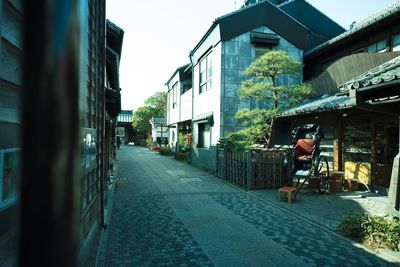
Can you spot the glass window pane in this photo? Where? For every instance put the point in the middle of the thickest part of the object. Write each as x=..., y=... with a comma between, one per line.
x=381, y=46
x=396, y=43
x=209, y=68
x=371, y=48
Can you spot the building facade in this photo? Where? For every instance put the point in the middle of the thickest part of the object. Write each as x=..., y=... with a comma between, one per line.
x=159, y=131
x=11, y=88
x=228, y=48
x=51, y=112
x=356, y=101
x=179, y=106
x=124, y=126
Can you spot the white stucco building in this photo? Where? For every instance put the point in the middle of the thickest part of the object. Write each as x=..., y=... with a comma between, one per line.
x=228, y=47
x=179, y=107
x=159, y=131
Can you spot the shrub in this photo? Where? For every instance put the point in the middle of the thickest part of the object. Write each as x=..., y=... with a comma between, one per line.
x=166, y=150
x=382, y=232
x=351, y=225
x=376, y=231
x=149, y=142
x=183, y=143
x=240, y=140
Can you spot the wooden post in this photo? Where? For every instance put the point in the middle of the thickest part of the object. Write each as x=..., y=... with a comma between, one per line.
x=249, y=170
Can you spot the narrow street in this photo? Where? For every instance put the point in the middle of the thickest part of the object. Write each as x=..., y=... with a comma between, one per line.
x=167, y=213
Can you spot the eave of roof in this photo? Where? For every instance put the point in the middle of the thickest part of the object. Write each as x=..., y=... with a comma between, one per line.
x=179, y=69
x=320, y=104
x=307, y=14
x=387, y=72
x=113, y=31
x=158, y=120
x=112, y=67
x=257, y=17
x=363, y=24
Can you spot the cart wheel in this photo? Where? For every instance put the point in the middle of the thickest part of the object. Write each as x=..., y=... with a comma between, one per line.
x=323, y=174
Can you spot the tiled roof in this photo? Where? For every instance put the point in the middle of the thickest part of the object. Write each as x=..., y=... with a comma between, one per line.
x=372, y=19
x=321, y=104
x=386, y=72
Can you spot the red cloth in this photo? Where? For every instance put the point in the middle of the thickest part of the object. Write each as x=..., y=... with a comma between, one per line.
x=304, y=147
x=287, y=188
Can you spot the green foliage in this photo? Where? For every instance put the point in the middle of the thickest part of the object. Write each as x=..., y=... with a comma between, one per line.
x=272, y=64
x=240, y=140
x=262, y=86
x=141, y=118
x=381, y=232
x=165, y=150
x=149, y=142
x=376, y=231
x=156, y=106
x=351, y=225
x=183, y=143
x=158, y=101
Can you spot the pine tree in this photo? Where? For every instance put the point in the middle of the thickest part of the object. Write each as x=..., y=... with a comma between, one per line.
x=262, y=85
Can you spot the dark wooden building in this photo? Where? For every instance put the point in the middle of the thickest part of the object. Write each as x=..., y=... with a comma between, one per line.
x=356, y=78
x=124, y=126
x=84, y=62
x=11, y=87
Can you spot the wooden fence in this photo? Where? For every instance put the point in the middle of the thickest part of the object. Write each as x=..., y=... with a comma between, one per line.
x=255, y=169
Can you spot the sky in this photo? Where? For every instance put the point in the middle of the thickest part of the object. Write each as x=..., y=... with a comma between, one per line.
x=159, y=34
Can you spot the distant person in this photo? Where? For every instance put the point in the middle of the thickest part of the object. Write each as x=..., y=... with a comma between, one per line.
x=118, y=141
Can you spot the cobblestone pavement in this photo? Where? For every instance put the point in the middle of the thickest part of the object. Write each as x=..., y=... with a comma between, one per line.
x=167, y=213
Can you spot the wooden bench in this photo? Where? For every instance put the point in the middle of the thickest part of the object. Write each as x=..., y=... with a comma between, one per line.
x=288, y=192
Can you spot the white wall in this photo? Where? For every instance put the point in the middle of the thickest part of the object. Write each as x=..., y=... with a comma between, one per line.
x=209, y=101
x=156, y=132
x=185, y=106
x=173, y=113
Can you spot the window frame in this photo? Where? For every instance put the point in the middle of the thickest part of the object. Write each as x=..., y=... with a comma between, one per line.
x=395, y=47
x=174, y=95
x=206, y=83
x=204, y=132
x=373, y=47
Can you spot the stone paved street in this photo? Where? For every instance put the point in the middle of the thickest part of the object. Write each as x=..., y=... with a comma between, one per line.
x=167, y=213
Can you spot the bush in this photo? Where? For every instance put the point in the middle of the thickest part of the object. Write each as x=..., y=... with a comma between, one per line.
x=240, y=140
x=166, y=150
x=149, y=142
x=376, y=231
x=351, y=225
x=183, y=143
x=382, y=233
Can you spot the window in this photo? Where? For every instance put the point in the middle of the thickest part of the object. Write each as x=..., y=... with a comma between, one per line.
x=186, y=87
x=174, y=95
x=205, y=73
x=260, y=50
x=396, y=42
x=204, y=135
x=377, y=47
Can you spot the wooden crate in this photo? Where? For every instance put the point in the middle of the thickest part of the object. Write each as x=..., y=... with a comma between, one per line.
x=350, y=184
x=335, y=186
